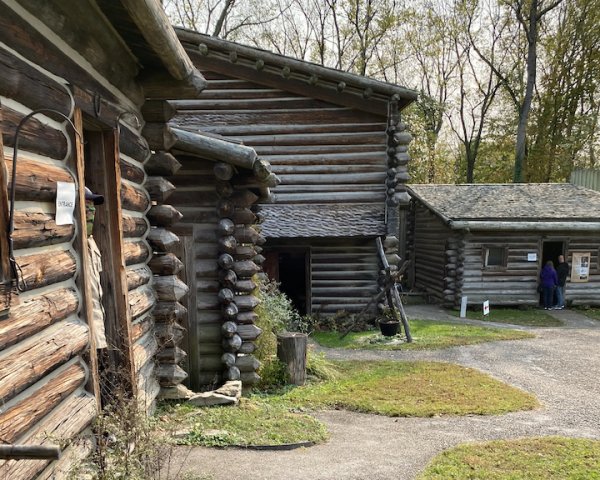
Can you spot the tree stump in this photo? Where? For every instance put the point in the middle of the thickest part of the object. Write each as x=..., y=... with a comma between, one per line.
x=291, y=350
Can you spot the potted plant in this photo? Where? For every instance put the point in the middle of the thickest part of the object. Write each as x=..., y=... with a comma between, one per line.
x=388, y=324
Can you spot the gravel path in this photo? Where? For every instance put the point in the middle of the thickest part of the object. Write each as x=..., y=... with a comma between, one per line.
x=561, y=366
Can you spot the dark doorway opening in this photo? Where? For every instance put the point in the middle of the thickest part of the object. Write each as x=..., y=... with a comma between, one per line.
x=551, y=251
x=290, y=269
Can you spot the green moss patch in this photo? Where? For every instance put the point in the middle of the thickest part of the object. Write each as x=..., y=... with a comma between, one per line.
x=529, y=317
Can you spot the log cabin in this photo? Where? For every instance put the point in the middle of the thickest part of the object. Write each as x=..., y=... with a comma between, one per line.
x=78, y=82
x=489, y=242
x=337, y=144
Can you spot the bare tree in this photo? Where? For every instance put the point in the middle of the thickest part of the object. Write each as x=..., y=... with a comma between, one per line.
x=529, y=15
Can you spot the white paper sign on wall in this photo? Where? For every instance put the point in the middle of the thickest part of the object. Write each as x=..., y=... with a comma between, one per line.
x=486, y=307
x=532, y=257
x=65, y=203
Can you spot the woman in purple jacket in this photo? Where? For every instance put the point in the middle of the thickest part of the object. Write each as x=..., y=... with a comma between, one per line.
x=548, y=281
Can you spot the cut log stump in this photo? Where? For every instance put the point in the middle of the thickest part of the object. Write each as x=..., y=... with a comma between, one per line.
x=291, y=350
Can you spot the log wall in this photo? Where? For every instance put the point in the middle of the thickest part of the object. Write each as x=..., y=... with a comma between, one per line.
x=221, y=257
x=47, y=392
x=449, y=264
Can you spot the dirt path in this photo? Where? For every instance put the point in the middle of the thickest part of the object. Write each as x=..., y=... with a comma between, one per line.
x=561, y=367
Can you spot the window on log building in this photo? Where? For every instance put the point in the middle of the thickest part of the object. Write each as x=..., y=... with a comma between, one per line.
x=495, y=257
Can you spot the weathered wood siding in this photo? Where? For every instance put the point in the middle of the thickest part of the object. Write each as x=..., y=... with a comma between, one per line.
x=46, y=392
x=323, y=153
x=429, y=239
x=587, y=293
x=343, y=275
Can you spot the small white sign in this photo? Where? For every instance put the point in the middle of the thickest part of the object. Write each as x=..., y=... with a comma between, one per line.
x=486, y=307
x=65, y=203
x=532, y=257
x=463, y=307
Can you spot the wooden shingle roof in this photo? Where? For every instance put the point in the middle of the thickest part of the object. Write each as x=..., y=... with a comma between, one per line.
x=470, y=205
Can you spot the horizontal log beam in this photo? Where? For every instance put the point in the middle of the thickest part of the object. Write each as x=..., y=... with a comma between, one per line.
x=27, y=362
x=41, y=269
x=36, y=180
x=32, y=229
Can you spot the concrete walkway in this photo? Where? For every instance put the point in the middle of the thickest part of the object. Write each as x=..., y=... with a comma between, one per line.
x=561, y=366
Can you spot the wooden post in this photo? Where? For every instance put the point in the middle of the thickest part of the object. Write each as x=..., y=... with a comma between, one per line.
x=291, y=350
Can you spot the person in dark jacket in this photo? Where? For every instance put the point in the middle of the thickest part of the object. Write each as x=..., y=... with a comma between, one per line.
x=548, y=281
x=562, y=271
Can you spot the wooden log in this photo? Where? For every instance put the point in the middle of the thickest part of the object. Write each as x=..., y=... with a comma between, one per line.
x=244, y=198
x=223, y=171
x=225, y=296
x=131, y=172
x=33, y=315
x=169, y=335
x=27, y=362
x=163, y=240
x=246, y=302
x=227, y=244
x=249, y=378
x=228, y=359
x=247, y=347
x=32, y=229
x=165, y=264
x=158, y=111
x=245, y=268
x=246, y=317
x=247, y=235
x=228, y=329
x=143, y=350
x=162, y=164
x=248, y=332
x=134, y=198
x=170, y=374
x=55, y=144
x=225, y=208
x=169, y=312
x=247, y=363
x=170, y=288
x=31, y=87
x=230, y=311
x=259, y=260
x=134, y=226
x=228, y=278
x=141, y=300
x=291, y=350
x=262, y=169
x=225, y=227
x=135, y=252
x=225, y=261
x=75, y=454
x=163, y=215
x=36, y=180
x=159, y=136
x=245, y=286
x=141, y=327
x=213, y=148
x=159, y=189
x=137, y=277
x=232, y=344
x=243, y=216
x=224, y=189
x=132, y=144
x=171, y=355
x=59, y=427
x=19, y=418
x=233, y=373
x=41, y=269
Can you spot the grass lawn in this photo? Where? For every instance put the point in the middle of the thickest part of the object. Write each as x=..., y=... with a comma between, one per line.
x=422, y=389
x=529, y=317
x=254, y=422
x=550, y=458
x=427, y=334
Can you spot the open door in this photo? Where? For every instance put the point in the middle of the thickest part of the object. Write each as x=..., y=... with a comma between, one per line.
x=291, y=268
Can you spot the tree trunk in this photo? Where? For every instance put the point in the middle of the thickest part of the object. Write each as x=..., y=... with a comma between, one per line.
x=291, y=350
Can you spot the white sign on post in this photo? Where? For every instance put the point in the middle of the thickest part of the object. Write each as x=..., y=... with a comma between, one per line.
x=65, y=203
x=486, y=307
x=463, y=307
